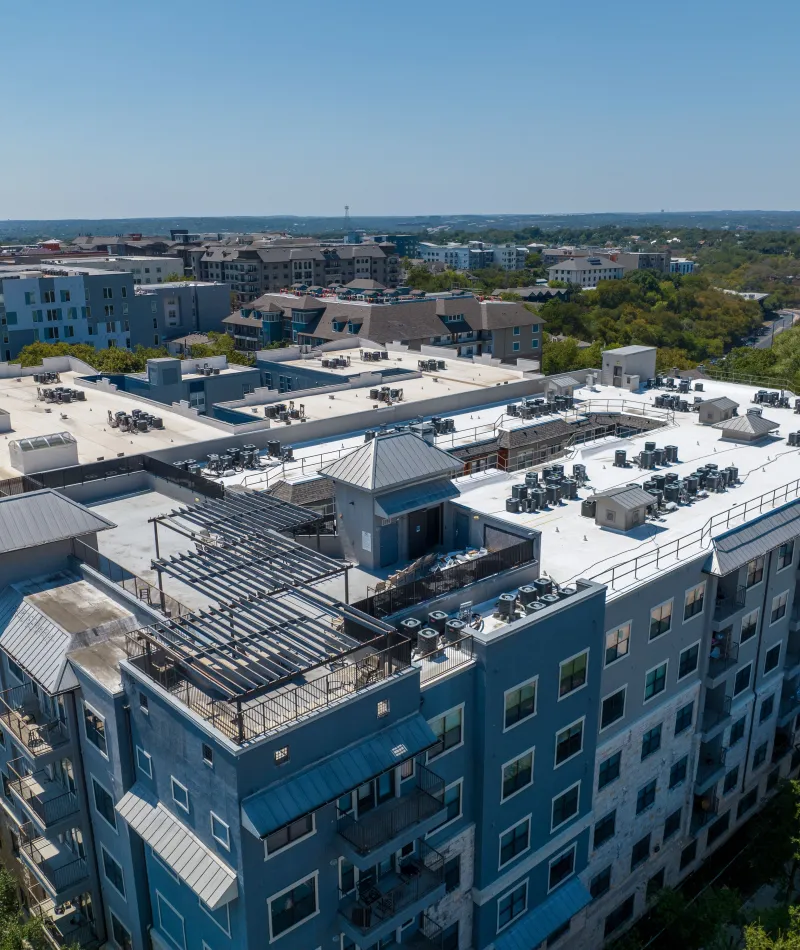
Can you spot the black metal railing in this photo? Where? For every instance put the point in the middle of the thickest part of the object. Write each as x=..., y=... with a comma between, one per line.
x=429, y=936
x=19, y=712
x=728, y=604
x=449, y=656
x=49, y=810
x=386, y=822
x=422, y=589
x=19, y=485
x=58, y=876
x=714, y=715
x=724, y=655
x=140, y=588
x=69, y=928
x=790, y=700
x=377, y=902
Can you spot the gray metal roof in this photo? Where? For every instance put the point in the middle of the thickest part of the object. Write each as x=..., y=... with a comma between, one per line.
x=37, y=644
x=631, y=350
x=749, y=424
x=414, y=497
x=563, y=381
x=283, y=802
x=722, y=402
x=40, y=517
x=178, y=847
x=546, y=917
x=389, y=461
x=626, y=497
x=736, y=548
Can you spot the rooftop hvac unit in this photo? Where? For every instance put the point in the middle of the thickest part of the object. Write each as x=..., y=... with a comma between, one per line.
x=428, y=643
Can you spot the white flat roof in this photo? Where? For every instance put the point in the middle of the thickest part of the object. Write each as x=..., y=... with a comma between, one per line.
x=573, y=546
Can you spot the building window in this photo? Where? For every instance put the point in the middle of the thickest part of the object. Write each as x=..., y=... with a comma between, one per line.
x=619, y=916
x=517, y=774
x=785, y=555
x=760, y=755
x=113, y=872
x=737, y=731
x=144, y=762
x=601, y=883
x=779, y=607
x=562, y=867
x=767, y=707
x=749, y=626
x=208, y=754
x=646, y=796
x=383, y=708
x=613, y=708
x=565, y=806
x=520, y=703
x=119, y=934
x=651, y=741
x=572, y=674
x=171, y=922
x=660, y=619
x=220, y=831
x=95, y=727
x=747, y=803
x=452, y=802
x=516, y=331
x=452, y=874
x=515, y=841
x=291, y=833
x=569, y=742
x=15, y=669
x=655, y=681
x=688, y=661
x=515, y=347
x=718, y=828
x=512, y=905
x=742, y=680
x=755, y=571
x=672, y=825
x=104, y=804
x=773, y=778
x=693, y=605
x=605, y=829
x=731, y=779
x=281, y=755
x=640, y=852
x=180, y=794
x=221, y=916
x=677, y=773
x=609, y=770
x=688, y=854
x=290, y=908
x=449, y=731
x=655, y=884
x=617, y=643
x=684, y=717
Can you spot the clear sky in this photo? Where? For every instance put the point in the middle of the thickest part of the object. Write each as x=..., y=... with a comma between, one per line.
x=193, y=107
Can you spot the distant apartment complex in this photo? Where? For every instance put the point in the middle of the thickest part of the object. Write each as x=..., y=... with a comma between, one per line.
x=145, y=270
x=586, y=271
x=505, y=330
x=474, y=255
x=629, y=260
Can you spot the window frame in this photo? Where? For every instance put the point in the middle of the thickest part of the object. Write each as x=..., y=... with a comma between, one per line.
x=663, y=633
x=755, y=612
x=210, y=913
x=534, y=680
x=453, y=709
x=784, y=605
x=527, y=820
x=619, y=656
x=561, y=794
x=680, y=732
x=532, y=753
x=778, y=556
x=95, y=782
x=508, y=893
x=460, y=815
x=691, y=646
x=613, y=816
x=103, y=853
x=585, y=682
x=227, y=842
x=644, y=808
x=573, y=848
x=642, y=860
x=314, y=876
x=607, y=871
x=748, y=583
x=621, y=689
x=582, y=722
x=666, y=834
x=618, y=755
x=148, y=757
x=94, y=712
x=765, y=671
x=682, y=761
x=749, y=668
x=658, y=726
x=648, y=699
x=690, y=590
x=159, y=898
x=290, y=844
x=112, y=918
x=172, y=783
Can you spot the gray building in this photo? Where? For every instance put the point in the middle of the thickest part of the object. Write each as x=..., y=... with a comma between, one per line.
x=628, y=367
x=716, y=410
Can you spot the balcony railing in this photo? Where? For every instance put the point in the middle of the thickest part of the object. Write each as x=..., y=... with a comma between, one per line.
x=723, y=656
x=60, y=868
x=704, y=810
x=430, y=936
x=22, y=715
x=47, y=799
x=64, y=925
x=377, y=902
x=384, y=823
x=710, y=763
x=715, y=715
x=729, y=603
x=790, y=700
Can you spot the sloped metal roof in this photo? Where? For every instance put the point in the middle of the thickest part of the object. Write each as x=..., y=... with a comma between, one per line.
x=40, y=517
x=563, y=381
x=625, y=497
x=195, y=864
x=37, y=644
x=414, y=497
x=749, y=424
x=541, y=921
x=736, y=548
x=721, y=402
x=389, y=461
x=277, y=805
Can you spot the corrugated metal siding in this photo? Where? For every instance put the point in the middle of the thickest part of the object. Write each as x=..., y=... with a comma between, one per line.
x=35, y=642
x=276, y=806
x=540, y=922
x=734, y=549
x=198, y=867
x=43, y=516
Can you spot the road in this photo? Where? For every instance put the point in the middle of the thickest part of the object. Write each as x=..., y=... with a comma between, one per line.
x=785, y=319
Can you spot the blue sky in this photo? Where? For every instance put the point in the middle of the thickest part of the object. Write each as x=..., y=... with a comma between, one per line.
x=183, y=107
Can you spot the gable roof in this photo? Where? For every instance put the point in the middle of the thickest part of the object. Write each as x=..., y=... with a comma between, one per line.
x=721, y=402
x=391, y=460
x=748, y=424
x=736, y=548
x=41, y=517
x=626, y=497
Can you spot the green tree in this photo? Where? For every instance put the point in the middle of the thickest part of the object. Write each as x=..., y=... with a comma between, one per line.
x=701, y=922
x=758, y=937
x=17, y=933
x=175, y=276
x=220, y=344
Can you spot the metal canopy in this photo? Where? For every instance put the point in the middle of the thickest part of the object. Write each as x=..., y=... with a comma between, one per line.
x=249, y=647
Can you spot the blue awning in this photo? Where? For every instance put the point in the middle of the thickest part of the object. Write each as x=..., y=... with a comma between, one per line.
x=541, y=921
x=399, y=502
x=277, y=805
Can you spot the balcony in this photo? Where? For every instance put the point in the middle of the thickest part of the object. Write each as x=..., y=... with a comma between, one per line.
x=704, y=810
x=790, y=702
x=716, y=716
x=379, y=906
x=46, y=800
x=383, y=830
x=710, y=768
x=722, y=658
x=729, y=602
x=429, y=936
x=56, y=868
x=782, y=745
x=64, y=925
x=22, y=716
